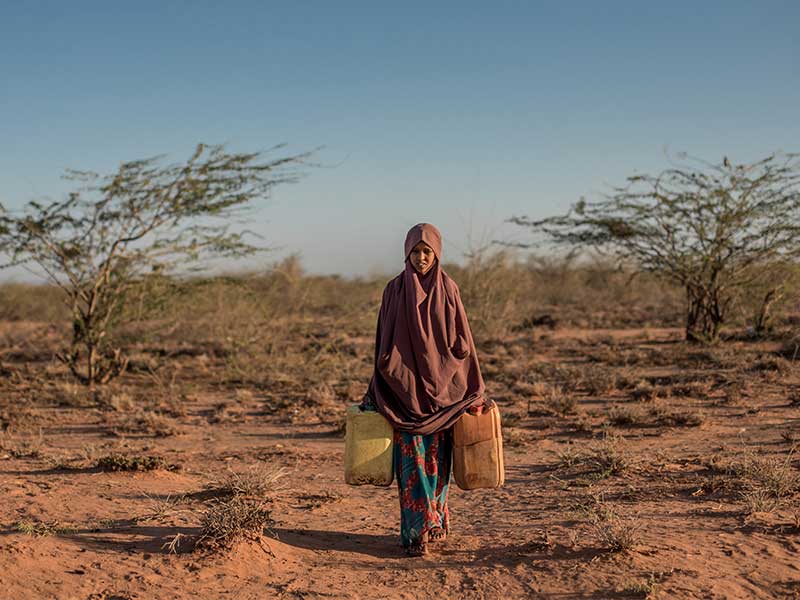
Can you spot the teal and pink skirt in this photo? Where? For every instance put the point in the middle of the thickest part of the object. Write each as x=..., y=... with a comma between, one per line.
x=422, y=465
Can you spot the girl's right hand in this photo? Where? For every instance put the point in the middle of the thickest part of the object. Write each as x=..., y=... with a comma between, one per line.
x=367, y=403
x=481, y=408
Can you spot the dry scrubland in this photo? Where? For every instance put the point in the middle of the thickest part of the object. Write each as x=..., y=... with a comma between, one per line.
x=638, y=466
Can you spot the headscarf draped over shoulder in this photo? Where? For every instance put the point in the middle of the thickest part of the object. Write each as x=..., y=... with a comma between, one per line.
x=426, y=367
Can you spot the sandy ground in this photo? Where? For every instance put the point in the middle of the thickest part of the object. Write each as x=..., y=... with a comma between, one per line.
x=542, y=535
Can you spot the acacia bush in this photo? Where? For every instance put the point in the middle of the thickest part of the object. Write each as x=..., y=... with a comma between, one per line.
x=713, y=229
x=113, y=230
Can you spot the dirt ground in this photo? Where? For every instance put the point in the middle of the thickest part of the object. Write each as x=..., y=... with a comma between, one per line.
x=637, y=466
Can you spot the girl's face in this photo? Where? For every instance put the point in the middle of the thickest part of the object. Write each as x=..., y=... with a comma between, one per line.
x=422, y=257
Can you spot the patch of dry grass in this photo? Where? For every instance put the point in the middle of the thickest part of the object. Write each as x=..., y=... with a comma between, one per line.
x=259, y=481
x=142, y=421
x=644, y=589
x=652, y=416
x=559, y=402
x=133, y=462
x=645, y=392
x=240, y=509
x=761, y=483
x=609, y=457
x=605, y=458
x=765, y=481
x=516, y=438
x=22, y=447
x=227, y=521
x=43, y=528
x=616, y=533
x=598, y=380
x=608, y=529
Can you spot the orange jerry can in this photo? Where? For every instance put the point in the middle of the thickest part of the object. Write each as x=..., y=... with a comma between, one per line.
x=478, y=450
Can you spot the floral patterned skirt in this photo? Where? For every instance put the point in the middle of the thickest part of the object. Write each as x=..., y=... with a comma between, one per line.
x=422, y=465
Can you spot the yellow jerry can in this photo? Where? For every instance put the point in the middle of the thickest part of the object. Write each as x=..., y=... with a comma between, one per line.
x=368, y=447
x=478, y=450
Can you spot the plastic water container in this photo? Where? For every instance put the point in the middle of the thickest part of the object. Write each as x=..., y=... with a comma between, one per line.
x=478, y=450
x=368, y=448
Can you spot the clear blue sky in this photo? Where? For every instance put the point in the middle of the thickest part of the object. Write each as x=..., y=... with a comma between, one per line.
x=457, y=113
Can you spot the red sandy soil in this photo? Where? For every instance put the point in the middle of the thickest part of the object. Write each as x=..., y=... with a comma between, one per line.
x=528, y=539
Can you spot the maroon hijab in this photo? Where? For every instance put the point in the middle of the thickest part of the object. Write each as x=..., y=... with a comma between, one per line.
x=426, y=368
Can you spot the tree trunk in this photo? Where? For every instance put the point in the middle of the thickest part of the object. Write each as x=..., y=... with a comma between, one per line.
x=762, y=319
x=704, y=316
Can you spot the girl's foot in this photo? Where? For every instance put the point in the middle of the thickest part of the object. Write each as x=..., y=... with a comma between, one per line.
x=437, y=534
x=417, y=549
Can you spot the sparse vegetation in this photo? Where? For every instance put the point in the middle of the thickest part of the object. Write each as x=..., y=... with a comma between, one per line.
x=227, y=521
x=99, y=244
x=260, y=481
x=143, y=421
x=646, y=588
x=43, y=528
x=608, y=457
x=560, y=402
x=652, y=416
x=714, y=229
x=616, y=533
x=762, y=483
x=763, y=477
x=22, y=447
x=241, y=369
x=127, y=462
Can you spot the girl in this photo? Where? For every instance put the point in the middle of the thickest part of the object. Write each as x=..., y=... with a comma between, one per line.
x=426, y=375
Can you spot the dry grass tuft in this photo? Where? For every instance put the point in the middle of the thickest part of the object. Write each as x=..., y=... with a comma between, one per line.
x=792, y=437
x=569, y=456
x=644, y=392
x=559, y=402
x=615, y=533
x=599, y=380
x=516, y=438
x=227, y=521
x=603, y=459
x=608, y=457
x=143, y=422
x=312, y=501
x=654, y=416
x=19, y=418
x=119, y=401
x=735, y=392
x=225, y=412
x=259, y=481
x=43, y=528
x=774, y=475
x=761, y=483
x=758, y=500
x=691, y=389
x=125, y=462
x=644, y=589
x=18, y=447
x=794, y=395
x=771, y=363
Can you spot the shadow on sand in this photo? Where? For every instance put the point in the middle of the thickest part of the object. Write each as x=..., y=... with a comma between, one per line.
x=378, y=546
x=126, y=535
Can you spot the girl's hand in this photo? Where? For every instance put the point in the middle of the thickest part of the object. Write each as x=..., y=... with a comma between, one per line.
x=475, y=410
x=367, y=403
x=481, y=408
